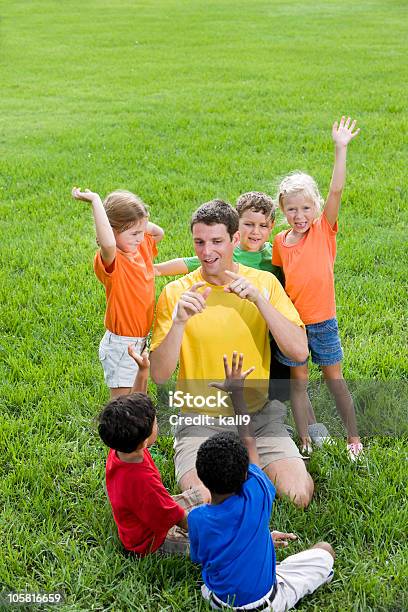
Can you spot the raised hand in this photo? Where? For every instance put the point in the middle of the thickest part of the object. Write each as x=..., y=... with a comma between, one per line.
x=141, y=360
x=241, y=287
x=234, y=376
x=85, y=196
x=342, y=133
x=191, y=302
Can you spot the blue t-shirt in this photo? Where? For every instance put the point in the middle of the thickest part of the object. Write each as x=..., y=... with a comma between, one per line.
x=233, y=544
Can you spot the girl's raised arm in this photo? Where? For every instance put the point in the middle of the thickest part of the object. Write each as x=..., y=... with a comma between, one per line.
x=104, y=231
x=342, y=134
x=155, y=230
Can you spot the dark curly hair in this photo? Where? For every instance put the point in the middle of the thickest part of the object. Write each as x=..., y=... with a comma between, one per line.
x=216, y=211
x=127, y=421
x=258, y=202
x=222, y=463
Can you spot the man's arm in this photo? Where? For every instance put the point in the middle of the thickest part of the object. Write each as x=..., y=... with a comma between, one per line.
x=104, y=231
x=164, y=358
x=155, y=230
x=342, y=134
x=290, y=338
x=171, y=267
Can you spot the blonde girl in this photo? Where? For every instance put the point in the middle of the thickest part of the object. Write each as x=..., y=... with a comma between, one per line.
x=306, y=253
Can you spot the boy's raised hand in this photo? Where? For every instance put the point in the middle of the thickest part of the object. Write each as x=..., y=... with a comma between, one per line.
x=85, y=196
x=234, y=376
x=342, y=133
x=141, y=360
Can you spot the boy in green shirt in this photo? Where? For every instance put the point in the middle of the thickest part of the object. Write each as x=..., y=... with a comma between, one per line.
x=256, y=212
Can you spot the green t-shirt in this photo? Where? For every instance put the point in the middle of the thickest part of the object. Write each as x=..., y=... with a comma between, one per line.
x=260, y=260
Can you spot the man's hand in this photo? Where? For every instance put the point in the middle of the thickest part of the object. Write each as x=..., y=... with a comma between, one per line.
x=343, y=133
x=234, y=376
x=241, y=287
x=85, y=196
x=280, y=539
x=141, y=360
x=191, y=302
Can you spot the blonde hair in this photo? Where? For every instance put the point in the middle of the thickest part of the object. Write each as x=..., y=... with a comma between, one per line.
x=123, y=209
x=256, y=201
x=299, y=182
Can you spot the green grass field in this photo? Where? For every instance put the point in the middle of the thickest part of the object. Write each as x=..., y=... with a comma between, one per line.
x=182, y=102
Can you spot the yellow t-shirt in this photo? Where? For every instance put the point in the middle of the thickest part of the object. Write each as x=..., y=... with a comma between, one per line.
x=227, y=324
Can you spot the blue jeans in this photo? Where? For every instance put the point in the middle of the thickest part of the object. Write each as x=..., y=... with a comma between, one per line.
x=324, y=345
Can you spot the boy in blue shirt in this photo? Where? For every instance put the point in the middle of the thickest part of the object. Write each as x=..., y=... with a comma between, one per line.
x=230, y=537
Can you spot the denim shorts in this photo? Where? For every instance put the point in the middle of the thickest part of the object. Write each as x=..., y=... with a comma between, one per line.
x=323, y=342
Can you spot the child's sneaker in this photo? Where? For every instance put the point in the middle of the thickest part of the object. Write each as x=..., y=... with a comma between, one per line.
x=319, y=434
x=355, y=451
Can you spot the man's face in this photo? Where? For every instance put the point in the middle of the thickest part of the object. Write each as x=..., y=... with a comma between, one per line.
x=214, y=247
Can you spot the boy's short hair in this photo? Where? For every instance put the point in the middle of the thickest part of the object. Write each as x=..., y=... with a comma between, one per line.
x=300, y=182
x=257, y=202
x=216, y=211
x=222, y=463
x=123, y=209
x=127, y=421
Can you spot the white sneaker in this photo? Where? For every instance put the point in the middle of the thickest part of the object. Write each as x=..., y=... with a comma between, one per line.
x=355, y=451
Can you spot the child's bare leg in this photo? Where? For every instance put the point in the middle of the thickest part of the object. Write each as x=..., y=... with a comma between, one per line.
x=344, y=402
x=300, y=402
x=118, y=391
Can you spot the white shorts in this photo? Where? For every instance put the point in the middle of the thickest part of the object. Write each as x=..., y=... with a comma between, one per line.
x=118, y=368
x=297, y=576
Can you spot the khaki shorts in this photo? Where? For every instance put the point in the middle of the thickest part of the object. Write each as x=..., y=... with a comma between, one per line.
x=272, y=438
x=177, y=542
x=118, y=368
x=297, y=576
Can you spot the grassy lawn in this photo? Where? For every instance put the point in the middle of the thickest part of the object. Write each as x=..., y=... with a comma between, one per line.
x=182, y=102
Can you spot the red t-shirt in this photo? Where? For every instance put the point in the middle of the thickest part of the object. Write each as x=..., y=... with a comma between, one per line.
x=143, y=509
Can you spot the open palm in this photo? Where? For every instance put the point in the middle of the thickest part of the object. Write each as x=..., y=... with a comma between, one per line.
x=342, y=133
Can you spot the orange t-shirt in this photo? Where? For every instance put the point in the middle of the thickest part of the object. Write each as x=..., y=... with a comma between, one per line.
x=308, y=267
x=129, y=287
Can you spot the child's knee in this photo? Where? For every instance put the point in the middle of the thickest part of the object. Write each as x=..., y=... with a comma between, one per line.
x=326, y=546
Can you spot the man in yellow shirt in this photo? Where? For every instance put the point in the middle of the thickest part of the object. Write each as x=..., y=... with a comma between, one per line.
x=217, y=309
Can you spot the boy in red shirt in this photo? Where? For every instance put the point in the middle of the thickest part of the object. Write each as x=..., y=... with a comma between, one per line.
x=147, y=516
